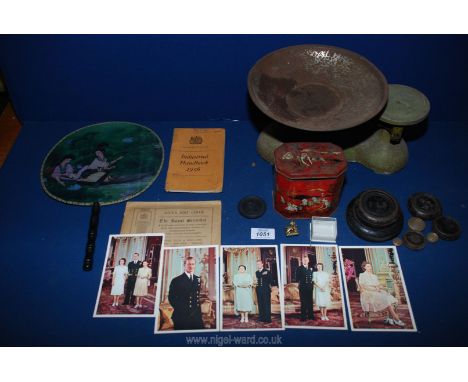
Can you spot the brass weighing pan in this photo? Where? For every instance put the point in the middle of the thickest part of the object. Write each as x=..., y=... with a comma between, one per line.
x=317, y=87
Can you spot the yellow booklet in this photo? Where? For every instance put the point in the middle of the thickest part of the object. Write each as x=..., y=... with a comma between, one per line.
x=196, y=162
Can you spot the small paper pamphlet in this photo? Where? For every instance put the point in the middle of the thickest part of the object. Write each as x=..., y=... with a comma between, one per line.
x=196, y=162
x=183, y=223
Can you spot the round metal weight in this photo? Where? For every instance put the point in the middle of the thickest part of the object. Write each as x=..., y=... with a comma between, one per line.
x=377, y=208
x=252, y=207
x=424, y=205
x=432, y=237
x=397, y=241
x=416, y=224
x=364, y=230
x=446, y=228
x=414, y=240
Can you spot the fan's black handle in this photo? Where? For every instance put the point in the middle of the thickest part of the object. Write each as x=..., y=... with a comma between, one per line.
x=92, y=234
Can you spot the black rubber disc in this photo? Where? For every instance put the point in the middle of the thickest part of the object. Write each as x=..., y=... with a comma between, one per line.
x=447, y=228
x=424, y=205
x=414, y=240
x=252, y=207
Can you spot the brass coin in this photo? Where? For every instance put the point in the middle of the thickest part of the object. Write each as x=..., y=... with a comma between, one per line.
x=397, y=242
x=432, y=237
x=416, y=224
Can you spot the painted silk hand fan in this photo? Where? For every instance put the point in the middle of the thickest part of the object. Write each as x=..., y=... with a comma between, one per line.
x=102, y=164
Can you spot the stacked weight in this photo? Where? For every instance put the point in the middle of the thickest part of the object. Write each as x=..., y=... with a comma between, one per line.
x=375, y=215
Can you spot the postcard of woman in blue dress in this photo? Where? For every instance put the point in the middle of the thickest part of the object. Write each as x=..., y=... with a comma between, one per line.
x=243, y=299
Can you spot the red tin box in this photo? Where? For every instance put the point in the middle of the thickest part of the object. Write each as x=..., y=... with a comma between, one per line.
x=309, y=177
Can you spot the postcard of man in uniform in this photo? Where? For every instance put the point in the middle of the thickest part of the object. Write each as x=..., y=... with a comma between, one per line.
x=129, y=276
x=252, y=294
x=375, y=290
x=313, y=297
x=188, y=296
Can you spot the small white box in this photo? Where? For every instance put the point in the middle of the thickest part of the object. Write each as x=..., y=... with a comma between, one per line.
x=323, y=229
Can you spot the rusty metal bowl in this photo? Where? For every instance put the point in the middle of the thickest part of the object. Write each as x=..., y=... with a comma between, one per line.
x=317, y=87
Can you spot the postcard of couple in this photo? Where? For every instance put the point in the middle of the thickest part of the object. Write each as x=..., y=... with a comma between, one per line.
x=313, y=297
x=129, y=278
x=251, y=288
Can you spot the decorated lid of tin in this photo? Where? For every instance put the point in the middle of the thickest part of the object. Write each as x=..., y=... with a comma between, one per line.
x=304, y=160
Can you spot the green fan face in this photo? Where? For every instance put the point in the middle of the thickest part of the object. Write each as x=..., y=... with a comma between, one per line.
x=107, y=163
